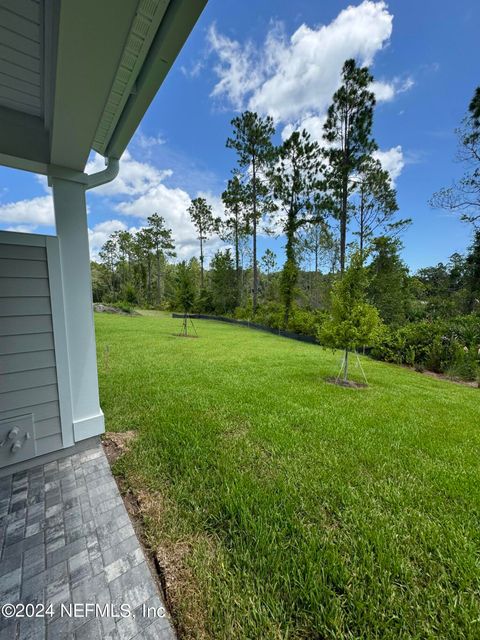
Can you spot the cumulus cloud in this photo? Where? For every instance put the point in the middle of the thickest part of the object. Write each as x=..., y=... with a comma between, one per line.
x=99, y=234
x=170, y=203
x=392, y=160
x=293, y=78
x=134, y=177
x=34, y=211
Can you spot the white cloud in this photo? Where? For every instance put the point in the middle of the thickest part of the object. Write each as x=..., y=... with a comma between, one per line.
x=34, y=211
x=237, y=73
x=294, y=78
x=22, y=228
x=312, y=124
x=134, y=177
x=386, y=91
x=392, y=160
x=147, y=142
x=99, y=234
x=194, y=70
x=170, y=203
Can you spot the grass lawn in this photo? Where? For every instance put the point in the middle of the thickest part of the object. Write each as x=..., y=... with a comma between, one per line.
x=288, y=507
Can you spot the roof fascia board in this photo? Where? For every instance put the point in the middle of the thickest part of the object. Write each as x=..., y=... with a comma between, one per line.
x=91, y=39
x=174, y=29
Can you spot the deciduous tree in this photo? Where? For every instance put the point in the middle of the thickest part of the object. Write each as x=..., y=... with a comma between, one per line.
x=353, y=322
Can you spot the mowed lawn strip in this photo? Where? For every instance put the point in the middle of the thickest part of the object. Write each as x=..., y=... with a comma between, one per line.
x=298, y=509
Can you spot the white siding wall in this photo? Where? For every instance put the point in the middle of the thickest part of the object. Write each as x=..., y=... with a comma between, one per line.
x=28, y=376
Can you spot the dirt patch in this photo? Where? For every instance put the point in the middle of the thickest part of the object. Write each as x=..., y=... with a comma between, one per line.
x=349, y=384
x=116, y=444
x=442, y=376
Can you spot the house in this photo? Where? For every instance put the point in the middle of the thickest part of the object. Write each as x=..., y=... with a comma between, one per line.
x=74, y=76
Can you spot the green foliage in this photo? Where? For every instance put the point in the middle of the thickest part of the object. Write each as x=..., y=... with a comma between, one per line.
x=185, y=291
x=202, y=217
x=348, y=133
x=295, y=179
x=252, y=140
x=123, y=305
x=361, y=326
x=441, y=346
x=306, y=322
x=388, y=281
x=352, y=322
x=223, y=283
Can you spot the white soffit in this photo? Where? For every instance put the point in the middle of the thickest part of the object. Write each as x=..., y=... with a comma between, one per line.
x=143, y=30
x=21, y=56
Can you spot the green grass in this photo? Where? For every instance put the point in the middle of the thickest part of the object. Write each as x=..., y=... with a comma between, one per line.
x=304, y=510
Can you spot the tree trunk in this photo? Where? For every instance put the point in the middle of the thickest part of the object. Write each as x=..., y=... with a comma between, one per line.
x=345, y=367
x=362, y=223
x=237, y=258
x=255, y=271
x=343, y=225
x=149, y=277
x=201, y=260
x=158, y=277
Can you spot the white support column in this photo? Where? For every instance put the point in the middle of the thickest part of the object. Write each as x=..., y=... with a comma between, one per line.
x=72, y=230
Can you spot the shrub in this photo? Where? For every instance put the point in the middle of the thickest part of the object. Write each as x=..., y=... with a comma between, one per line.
x=441, y=346
x=123, y=306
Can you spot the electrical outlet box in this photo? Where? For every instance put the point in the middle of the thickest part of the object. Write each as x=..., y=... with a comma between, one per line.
x=17, y=439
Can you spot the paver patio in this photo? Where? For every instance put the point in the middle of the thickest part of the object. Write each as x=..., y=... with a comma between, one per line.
x=66, y=538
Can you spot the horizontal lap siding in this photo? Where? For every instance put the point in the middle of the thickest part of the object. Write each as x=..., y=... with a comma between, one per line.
x=26, y=343
x=9, y=287
x=20, y=56
x=14, y=362
x=14, y=325
x=28, y=377
x=9, y=267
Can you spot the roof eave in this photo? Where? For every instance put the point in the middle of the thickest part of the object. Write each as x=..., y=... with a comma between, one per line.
x=172, y=33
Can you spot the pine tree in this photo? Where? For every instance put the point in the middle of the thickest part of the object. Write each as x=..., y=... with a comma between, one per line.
x=295, y=181
x=202, y=217
x=222, y=282
x=252, y=142
x=388, y=288
x=234, y=227
x=376, y=203
x=463, y=197
x=162, y=242
x=348, y=134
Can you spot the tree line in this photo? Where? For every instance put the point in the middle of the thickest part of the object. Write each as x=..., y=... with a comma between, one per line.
x=336, y=208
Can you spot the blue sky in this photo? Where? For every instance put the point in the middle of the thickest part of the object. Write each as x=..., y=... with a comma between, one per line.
x=284, y=58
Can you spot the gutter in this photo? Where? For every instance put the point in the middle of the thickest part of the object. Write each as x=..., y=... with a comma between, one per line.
x=102, y=177
x=91, y=180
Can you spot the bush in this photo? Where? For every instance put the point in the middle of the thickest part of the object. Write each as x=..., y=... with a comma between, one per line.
x=123, y=306
x=441, y=346
x=306, y=322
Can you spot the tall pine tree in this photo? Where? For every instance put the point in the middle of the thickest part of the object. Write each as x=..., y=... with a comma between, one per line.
x=252, y=141
x=348, y=134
